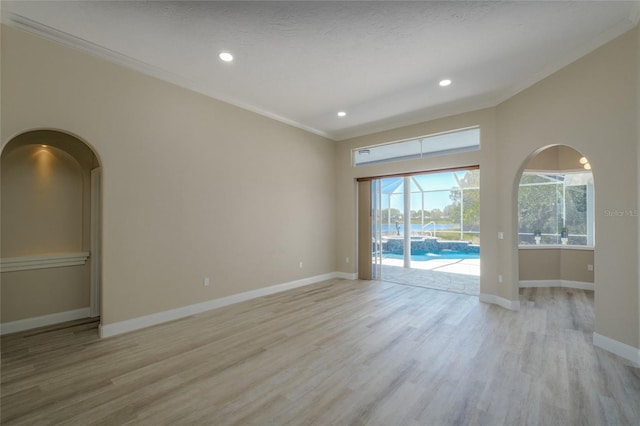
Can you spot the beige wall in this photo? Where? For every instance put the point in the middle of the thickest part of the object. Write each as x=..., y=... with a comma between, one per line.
x=34, y=293
x=192, y=187
x=556, y=264
x=569, y=158
x=539, y=264
x=574, y=267
x=42, y=209
x=545, y=160
x=559, y=157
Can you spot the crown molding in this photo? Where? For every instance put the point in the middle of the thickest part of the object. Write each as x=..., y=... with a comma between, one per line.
x=23, y=23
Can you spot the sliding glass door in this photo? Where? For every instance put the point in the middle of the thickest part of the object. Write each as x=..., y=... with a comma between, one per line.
x=376, y=229
x=421, y=228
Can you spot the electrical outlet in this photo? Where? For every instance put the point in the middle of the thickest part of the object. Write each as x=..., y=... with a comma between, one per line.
x=300, y=265
x=205, y=282
x=590, y=268
x=346, y=260
x=499, y=278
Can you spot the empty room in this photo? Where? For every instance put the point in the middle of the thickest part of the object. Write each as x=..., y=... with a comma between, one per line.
x=319, y=213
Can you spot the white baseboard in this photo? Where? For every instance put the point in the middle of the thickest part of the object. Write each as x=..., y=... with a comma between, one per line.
x=126, y=326
x=621, y=349
x=512, y=305
x=29, y=323
x=346, y=275
x=557, y=283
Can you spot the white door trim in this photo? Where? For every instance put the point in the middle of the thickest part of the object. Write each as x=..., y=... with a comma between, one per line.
x=96, y=241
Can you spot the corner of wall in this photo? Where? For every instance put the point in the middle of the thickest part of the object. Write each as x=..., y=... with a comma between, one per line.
x=638, y=151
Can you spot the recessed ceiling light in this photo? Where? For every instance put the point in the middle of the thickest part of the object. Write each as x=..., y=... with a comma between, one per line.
x=342, y=114
x=584, y=160
x=226, y=56
x=445, y=82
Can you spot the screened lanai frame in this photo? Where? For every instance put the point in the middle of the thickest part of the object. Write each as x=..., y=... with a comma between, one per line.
x=562, y=182
x=424, y=186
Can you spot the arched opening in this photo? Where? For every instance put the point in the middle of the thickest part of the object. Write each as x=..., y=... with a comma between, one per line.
x=555, y=200
x=51, y=230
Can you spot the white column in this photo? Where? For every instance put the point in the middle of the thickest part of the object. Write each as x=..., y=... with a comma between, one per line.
x=422, y=216
x=461, y=214
x=96, y=237
x=407, y=222
x=389, y=232
x=590, y=214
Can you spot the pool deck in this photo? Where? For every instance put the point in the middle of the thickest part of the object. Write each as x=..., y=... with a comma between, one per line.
x=455, y=275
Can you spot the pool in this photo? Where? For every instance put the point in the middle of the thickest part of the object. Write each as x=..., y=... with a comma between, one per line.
x=434, y=256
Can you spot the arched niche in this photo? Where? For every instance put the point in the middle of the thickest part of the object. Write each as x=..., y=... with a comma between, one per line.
x=50, y=189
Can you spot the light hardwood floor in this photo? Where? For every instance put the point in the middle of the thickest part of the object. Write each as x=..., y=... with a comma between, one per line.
x=333, y=353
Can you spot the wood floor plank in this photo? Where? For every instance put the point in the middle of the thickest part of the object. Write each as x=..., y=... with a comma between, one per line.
x=334, y=353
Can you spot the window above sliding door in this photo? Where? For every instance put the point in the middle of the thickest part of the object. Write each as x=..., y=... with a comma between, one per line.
x=431, y=145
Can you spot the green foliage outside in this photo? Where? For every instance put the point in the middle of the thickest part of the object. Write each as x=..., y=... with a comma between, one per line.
x=540, y=206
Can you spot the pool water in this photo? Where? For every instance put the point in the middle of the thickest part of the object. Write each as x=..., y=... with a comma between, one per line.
x=432, y=256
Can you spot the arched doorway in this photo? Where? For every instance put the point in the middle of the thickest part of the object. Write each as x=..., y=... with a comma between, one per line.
x=51, y=230
x=555, y=199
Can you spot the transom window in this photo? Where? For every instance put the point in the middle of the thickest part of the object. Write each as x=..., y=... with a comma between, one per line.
x=425, y=146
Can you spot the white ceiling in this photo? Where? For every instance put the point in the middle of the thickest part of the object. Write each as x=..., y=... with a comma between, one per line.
x=302, y=62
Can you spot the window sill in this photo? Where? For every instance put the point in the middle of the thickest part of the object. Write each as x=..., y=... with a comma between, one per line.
x=555, y=246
